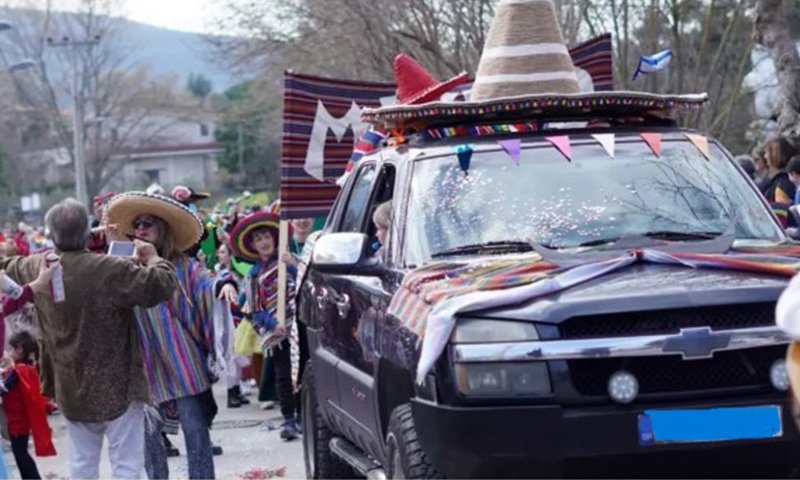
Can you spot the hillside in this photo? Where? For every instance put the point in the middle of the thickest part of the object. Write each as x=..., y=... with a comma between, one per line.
x=165, y=51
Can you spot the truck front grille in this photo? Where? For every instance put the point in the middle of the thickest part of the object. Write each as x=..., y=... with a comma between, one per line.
x=671, y=374
x=721, y=317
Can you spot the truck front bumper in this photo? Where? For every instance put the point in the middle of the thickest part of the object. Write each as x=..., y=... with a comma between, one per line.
x=597, y=441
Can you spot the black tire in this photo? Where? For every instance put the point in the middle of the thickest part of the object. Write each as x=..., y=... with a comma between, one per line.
x=405, y=456
x=320, y=462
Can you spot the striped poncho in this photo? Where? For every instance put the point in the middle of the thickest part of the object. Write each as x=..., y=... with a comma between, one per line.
x=261, y=288
x=178, y=336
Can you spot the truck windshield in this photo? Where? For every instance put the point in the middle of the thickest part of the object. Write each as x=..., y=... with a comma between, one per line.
x=593, y=198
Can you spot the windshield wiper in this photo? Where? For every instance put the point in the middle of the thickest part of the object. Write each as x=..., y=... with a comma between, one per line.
x=678, y=235
x=598, y=242
x=488, y=247
x=659, y=235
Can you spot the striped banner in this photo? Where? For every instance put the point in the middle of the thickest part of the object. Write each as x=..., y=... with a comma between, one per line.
x=596, y=58
x=319, y=121
x=322, y=121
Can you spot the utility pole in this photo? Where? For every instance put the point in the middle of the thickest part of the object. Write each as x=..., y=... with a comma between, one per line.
x=78, y=77
x=240, y=149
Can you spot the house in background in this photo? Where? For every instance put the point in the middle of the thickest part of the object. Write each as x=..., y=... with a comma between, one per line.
x=183, y=152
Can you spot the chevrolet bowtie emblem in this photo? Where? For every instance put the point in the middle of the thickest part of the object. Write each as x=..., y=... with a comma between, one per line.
x=696, y=343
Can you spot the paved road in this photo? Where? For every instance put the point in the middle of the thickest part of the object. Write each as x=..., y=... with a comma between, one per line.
x=247, y=447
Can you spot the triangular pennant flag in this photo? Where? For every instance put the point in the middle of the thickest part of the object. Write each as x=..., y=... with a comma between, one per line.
x=607, y=141
x=653, y=140
x=701, y=143
x=561, y=142
x=512, y=148
x=464, y=153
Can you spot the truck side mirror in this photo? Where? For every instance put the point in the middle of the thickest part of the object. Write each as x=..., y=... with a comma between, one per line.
x=345, y=254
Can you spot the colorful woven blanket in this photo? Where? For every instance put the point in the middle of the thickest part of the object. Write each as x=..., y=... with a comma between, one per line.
x=431, y=296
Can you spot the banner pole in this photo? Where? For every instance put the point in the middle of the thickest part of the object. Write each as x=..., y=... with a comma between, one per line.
x=283, y=246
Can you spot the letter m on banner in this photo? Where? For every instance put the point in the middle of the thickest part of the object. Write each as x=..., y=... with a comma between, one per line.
x=321, y=122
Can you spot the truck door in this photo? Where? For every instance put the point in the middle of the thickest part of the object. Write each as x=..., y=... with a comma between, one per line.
x=360, y=303
x=320, y=291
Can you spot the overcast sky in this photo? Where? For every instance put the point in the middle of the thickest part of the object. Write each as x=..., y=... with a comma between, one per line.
x=187, y=15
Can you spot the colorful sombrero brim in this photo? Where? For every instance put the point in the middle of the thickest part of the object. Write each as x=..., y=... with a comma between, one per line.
x=435, y=91
x=122, y=210
x=561, y=106
x=241, y=247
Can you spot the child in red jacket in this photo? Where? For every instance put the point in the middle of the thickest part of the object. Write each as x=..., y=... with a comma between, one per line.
x=25, y=405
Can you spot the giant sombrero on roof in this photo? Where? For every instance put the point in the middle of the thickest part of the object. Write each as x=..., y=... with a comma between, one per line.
x=123, y=209
x=526, y=71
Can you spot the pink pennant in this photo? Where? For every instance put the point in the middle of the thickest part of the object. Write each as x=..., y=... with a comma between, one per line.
x=561, y=142
x=512, y=148
x=653, y=140
x=701, y=143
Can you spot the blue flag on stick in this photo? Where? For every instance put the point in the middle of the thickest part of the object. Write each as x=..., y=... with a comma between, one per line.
x=653, y=63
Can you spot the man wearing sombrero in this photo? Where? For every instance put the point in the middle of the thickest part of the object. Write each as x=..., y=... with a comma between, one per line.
x=255, y=239
x=178, y=335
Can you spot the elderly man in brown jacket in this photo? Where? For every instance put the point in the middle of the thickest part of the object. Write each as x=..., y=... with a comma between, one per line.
x=91, y=345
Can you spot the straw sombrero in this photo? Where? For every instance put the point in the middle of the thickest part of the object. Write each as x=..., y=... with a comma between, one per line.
x=525, y=53
x=122, y=210
x=241, y=245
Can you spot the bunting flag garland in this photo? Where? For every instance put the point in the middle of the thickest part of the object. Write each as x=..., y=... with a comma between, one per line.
x=561, y=142
x=653, y=140
x=701, y=143
x=512, y=148
x=606, y=140
x=464, y=153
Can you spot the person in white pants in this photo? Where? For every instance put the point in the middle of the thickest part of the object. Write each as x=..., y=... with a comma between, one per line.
x=91, y=356
x=125, y=445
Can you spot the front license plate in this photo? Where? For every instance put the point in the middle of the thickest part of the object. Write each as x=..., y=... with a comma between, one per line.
x=710, y=425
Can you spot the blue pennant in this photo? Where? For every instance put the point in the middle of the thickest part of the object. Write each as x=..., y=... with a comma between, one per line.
x=464, y=153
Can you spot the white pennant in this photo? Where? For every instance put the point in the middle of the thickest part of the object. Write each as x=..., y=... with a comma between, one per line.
x=607, y=141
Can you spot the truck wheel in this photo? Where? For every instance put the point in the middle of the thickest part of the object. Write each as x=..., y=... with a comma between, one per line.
x=320, y=461
x=404, y=454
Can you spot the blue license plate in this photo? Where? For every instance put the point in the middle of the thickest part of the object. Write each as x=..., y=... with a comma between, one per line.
x=710, y=425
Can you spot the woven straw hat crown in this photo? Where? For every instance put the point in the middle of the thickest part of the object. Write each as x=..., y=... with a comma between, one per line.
x=525, y=53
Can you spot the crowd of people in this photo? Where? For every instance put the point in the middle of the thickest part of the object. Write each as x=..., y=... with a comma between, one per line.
x=775, y=168
x=130, y=344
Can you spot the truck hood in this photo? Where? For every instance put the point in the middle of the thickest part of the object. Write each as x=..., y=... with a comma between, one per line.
x=646, y=287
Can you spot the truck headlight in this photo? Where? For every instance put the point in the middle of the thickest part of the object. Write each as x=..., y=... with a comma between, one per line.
x=522, y=379
x=479, y=330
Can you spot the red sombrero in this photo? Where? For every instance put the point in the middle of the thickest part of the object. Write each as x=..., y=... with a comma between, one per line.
x=241, y=246
x=415, y=85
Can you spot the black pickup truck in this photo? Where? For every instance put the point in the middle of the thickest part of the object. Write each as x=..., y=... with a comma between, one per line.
x=692, y=379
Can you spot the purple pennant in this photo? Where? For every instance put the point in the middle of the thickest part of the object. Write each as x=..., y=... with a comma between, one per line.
x=464, y=153
x=512, y=148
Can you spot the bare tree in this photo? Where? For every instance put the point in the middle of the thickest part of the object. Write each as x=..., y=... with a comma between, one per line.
x=120, y=104
x=711, y=41
x=773, y=24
